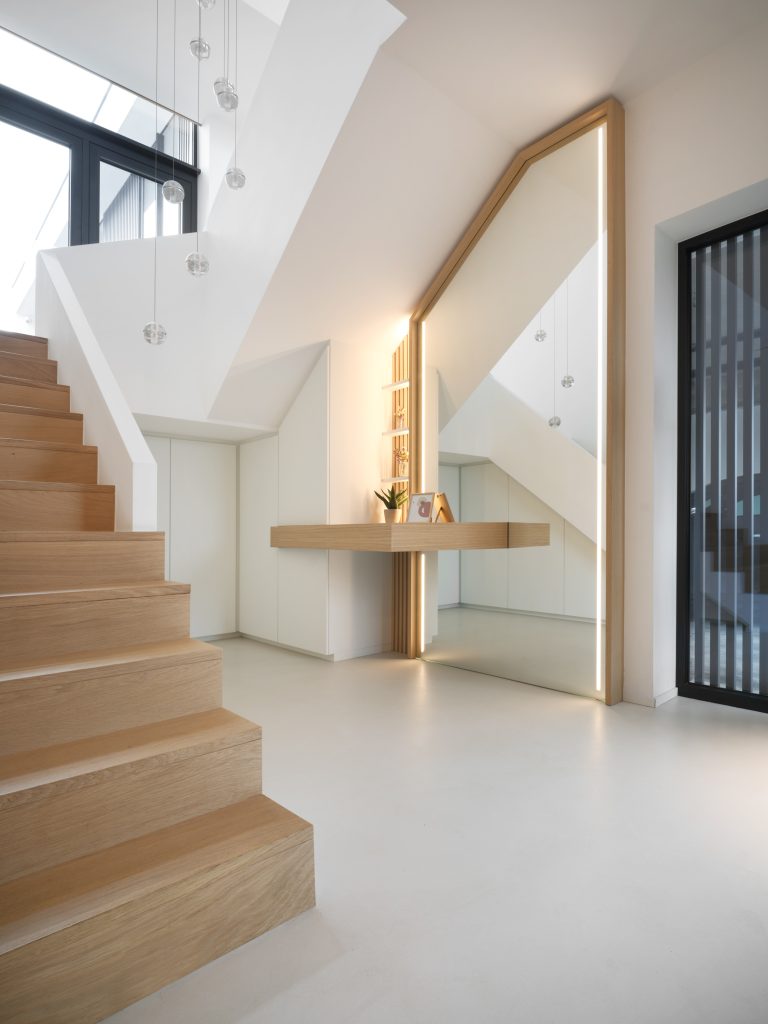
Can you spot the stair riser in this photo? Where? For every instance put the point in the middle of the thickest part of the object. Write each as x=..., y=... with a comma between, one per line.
x=13, y=365
x=53, y=399
x=29, y=633
x=83, y=974
x=56, y=510
x=60, y=821
x=24, y=347
x=31, y=427
x=65, y=707
x=53, y=466
x=27, y=566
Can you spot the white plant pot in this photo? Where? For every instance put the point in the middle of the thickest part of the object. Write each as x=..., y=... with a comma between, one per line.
x=391, y=515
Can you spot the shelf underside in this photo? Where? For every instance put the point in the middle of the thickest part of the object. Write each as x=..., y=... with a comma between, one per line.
x=396, y=537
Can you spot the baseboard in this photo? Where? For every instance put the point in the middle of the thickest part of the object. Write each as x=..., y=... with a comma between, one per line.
x=284, y=647
x=662, y=698
x=217, y=636
x=364, y=652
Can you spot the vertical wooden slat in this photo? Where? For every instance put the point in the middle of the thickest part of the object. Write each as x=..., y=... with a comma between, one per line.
x=715, y=525
x=698, y=531
x=763, y=518
x=729, y=539
x=748, y=472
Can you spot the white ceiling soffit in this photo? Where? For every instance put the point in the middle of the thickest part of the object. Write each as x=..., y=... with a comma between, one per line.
x=199, y=430
x=116, y=40
x=267, y=388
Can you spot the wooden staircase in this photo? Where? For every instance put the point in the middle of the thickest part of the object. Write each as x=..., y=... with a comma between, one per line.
x=135, y=842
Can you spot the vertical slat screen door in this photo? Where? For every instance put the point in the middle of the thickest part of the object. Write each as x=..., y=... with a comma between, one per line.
x=723, y=428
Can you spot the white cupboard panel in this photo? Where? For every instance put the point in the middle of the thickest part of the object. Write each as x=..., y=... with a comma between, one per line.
x=161, y=449
x=258, y=561
x=484, y=499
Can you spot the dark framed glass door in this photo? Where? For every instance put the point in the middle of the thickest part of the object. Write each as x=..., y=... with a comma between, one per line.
x=723, y=430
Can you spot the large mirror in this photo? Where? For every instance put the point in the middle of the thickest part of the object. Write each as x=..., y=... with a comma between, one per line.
x=515, y=409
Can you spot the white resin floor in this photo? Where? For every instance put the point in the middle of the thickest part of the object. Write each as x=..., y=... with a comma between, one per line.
x=493, y=852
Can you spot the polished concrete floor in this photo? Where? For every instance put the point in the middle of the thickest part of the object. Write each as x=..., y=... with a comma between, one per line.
x=494, y=852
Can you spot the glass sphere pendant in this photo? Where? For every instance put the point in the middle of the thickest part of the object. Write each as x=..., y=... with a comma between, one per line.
x=200, y=49
x=540, y=335
x=235, y=178
x=154, y=333
x=197, y=264
x=173, y=191
x=567, y=381
x=554, y=421
x=206, y=5
x=226, y=96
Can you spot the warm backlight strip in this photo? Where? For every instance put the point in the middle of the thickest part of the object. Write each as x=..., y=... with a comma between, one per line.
x=601, y=270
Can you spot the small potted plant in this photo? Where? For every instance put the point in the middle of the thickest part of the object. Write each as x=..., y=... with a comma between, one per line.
x=393, y=501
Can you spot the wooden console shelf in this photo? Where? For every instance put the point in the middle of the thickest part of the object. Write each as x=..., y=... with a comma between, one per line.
x=399, y=537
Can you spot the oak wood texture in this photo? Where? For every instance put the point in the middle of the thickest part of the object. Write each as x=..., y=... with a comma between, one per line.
x=156, y=909
x=41, y=424
x=26, y=344
x=48, y=461
x=103, y=692
x=135, y=844
x=45, y=505
x=49, y=624
x=122, y=784
x=34, y=394
x=406, y=537
x=14, y=364
x=609, y=113
x=63, y=561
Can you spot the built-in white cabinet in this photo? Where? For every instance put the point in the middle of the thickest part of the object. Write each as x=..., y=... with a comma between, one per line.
x=197, y=509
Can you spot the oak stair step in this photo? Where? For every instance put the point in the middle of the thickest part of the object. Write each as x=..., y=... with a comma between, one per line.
x=31, y=505
x=45, y=561
x=37, y=627
x=70, y=800
x=48, y=461
x=82, y=940
x=26, y=344
x=20, y=421
x=29, y=368
x=34, y=394
x=90, y=694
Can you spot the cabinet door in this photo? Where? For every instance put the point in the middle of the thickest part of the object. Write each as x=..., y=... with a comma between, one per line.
x=203, y=537
x=161, y=449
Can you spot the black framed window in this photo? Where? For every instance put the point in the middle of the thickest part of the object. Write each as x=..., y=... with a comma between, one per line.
x=722, y=650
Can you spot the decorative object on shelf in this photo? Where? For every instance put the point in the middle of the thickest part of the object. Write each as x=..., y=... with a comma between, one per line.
x=568, y=381
x=420, y=507
x=393, y=501
x=199, y=48
x=441, y=509
x=197, y=263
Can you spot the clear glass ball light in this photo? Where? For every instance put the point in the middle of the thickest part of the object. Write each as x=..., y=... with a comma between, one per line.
x=567, y=381
x=226, y=96
x=173, y=191
x=235, y=178
x=197, y=264
x=199, y=48
x=554, y=421
x=154, y=333
x=206, y=5
x=540, y=335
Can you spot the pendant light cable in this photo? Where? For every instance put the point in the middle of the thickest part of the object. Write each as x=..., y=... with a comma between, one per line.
x=158, y=192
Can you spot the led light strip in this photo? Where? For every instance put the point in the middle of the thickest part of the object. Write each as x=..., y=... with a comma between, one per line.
x=601, y=266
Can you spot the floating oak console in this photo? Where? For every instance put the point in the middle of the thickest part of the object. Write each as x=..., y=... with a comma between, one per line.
x=400, y=537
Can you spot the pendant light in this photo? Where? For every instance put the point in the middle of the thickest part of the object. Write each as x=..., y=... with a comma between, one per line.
x=568, y=381
x=540, y=334
x=226, y=96
x=197, y=263
x=234, y=175
x=206, y=5
x=173, y=191
x=154, y=333
x=554, y=420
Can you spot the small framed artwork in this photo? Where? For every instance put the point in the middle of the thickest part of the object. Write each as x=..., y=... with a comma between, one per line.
x=420, y=508
x=441, y=510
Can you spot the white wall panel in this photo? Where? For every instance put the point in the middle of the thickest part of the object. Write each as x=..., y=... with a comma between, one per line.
x=258, y=561
x=484, y=498
x=448, y=561
x=535, y=574
x=161, y=450
x=203, y=539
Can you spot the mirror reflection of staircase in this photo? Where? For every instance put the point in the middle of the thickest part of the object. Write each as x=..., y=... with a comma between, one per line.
x=137, y=844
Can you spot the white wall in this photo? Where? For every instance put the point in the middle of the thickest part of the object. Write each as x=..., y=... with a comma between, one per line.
x=197, y=509
x=258, y=561
x=448, y=562
x=697, y=156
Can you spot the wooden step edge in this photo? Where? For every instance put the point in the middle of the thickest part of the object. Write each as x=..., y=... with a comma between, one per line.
x=79, y=595
x=56, y=446
x=49, y=901
x=20, y=355
x=23, y=337
x=74, y=536
x=47, y=485
x=32, y=410
x=106, y=664
x=67, y=766
x=24, y=382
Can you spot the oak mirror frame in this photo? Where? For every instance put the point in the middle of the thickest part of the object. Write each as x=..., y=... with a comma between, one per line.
x=410, y=602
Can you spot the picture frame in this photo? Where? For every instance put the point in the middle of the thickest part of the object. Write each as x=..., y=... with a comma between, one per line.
x=420, y=508
x=441, y=509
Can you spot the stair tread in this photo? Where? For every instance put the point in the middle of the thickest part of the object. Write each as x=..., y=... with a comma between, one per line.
x=60, y=897
x=69, y=764
x=57, y=446
x=46, y=385
x=111, y=592
x=56, y=536
x=47, y=485
x=23, y=337
x=21, y=355
x=32, y=410
x=116, y=660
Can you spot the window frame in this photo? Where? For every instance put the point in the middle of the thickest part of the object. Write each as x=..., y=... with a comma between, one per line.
x=91, y=144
